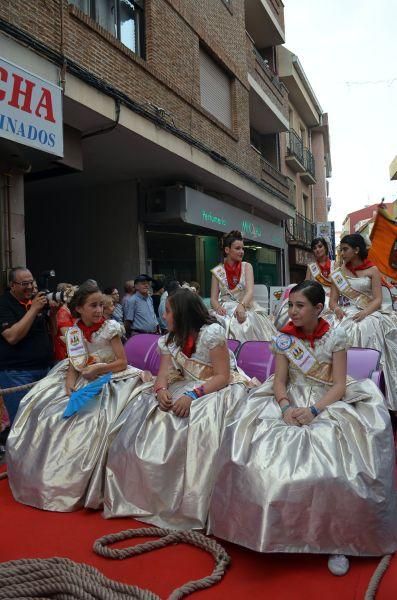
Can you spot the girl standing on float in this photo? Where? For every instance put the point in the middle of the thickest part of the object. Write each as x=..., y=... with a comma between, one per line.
x=320, y=271
x=369, y=321
x=232, y=295
x=307, y=464
x=160, y=466
x=54, y=462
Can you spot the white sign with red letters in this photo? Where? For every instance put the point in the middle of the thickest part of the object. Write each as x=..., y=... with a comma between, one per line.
x=30, y=109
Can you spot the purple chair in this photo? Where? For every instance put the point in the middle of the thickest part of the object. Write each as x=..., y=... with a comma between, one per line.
x=256, y=360
x=140, y=350
x=364, y=363
x=233, y=345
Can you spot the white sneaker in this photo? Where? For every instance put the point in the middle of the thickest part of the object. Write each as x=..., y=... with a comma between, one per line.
x=338, y=564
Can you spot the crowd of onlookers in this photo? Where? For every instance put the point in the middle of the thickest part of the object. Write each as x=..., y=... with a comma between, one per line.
x=32, y=329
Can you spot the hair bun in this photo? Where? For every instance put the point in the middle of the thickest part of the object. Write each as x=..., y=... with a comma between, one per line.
x=232, y=236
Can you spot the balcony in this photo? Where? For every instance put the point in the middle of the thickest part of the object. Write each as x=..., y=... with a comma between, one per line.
x=300, y=230
x=264, y=20
x=309, y=176
x=268, y=98
x=299, y=158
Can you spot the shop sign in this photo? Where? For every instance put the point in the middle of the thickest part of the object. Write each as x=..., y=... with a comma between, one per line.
x=30, y=109
x=205, y=211
x=326, y=230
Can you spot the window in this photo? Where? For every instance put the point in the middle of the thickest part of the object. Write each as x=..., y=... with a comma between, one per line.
x=215, y=90
x=122, y=18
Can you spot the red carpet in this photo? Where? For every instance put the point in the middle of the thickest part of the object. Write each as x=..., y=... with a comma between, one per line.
x=31, y=533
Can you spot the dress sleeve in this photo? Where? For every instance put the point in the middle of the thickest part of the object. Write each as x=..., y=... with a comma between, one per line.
x=273, y=344
x=112, y=329
x=161, y=344
x=339, y=340
x=213, y=336
x=64, y=318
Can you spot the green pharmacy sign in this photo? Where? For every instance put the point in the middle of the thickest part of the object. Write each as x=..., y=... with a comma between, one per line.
x=251, y=229
x=209, y=217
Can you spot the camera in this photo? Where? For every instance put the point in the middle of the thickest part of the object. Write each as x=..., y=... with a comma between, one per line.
x=61, y=296
x=58, y=297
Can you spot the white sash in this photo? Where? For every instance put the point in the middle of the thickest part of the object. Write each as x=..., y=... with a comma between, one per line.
x=303, y=358
x=358, y=298
x=76, y=347
x=220, y=273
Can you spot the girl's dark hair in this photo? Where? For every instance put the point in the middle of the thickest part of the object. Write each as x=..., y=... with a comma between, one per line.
x=312, y=290
x=355, y=240
x=84, y=290
x=190, y=314
x=229, y=238
x=320, y=240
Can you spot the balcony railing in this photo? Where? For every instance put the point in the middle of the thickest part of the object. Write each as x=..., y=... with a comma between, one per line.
x=300, y=229
x=295, y=146
x=309, y=162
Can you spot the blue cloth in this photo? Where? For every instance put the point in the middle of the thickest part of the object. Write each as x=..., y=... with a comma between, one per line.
x=81, y=397
x=140, y=313
x=118, y=314
x=13, y=378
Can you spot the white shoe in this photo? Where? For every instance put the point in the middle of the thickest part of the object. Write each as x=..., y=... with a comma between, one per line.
x=338, y=564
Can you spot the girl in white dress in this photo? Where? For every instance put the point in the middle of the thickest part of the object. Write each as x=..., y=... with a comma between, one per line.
x=161, y=464
x=53, y=462
x=232, y=295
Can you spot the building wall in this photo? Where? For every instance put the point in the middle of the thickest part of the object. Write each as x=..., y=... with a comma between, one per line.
x=99, y=227
x=320, y=187
x=169, y=77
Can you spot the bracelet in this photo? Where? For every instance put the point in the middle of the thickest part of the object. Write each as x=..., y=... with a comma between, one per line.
x=285, y=408
x=283, y=398
x=192, y=394
x=199, y=391
x=315, y=412
x=157, y=390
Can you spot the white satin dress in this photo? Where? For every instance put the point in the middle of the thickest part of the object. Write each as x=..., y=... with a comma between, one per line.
x=161, y=467
x=327, y=487
x=53, y=462
x=379, y=331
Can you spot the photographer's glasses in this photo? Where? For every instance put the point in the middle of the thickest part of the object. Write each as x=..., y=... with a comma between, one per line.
x=24, y=284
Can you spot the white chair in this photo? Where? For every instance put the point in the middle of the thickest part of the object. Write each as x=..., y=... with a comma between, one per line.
x=261, y=296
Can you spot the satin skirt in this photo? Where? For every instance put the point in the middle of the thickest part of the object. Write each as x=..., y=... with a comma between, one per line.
x=161, y=467
x=327, y=487
x=258, y=325
x=50, y=459
x=379, y=331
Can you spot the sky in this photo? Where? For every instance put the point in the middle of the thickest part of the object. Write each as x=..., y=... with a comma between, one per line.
x=348, y=50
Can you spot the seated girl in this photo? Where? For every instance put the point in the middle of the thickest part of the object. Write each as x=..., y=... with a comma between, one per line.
x=368, y=321
x=232, y=295
x=51, y=459
x=160, y=466
x=307, y=464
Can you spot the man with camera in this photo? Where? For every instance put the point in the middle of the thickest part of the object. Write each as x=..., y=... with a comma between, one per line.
x=26, y=350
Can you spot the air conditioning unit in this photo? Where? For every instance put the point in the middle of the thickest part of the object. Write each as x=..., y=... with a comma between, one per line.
x=164, y=204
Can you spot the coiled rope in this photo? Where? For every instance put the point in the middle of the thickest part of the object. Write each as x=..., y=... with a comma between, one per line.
x=63, y=579
x=17, y=388
x=376, y=578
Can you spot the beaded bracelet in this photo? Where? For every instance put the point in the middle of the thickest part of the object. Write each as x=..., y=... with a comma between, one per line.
x=285, y=408
x=283, y=398
x=157, y=390
x=192, y=394
x=314, y=410
x=199, y=391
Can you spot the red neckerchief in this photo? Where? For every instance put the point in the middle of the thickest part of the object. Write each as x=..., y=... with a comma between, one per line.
x=26, y=304
x=321, y=329
x=233, y=274
x=190, y=345
x=366, y=264
x=88, y=330
x=325, y=268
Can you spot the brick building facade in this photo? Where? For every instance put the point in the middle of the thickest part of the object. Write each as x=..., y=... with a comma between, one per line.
x=172, y=110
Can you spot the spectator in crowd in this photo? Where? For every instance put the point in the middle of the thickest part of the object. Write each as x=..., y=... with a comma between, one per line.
x=118, y=313
x=196, y=286
x=26, y=350
x=129, y=291
x=158, y=289
x=140, y=316
x=170, y=288
x=64, y=320
x=108, y=306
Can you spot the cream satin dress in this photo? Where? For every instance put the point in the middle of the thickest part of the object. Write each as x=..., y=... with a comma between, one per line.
x=378, y=330
x=53, y=463
x=161, y=467
x=327, y=487
x=257, y=325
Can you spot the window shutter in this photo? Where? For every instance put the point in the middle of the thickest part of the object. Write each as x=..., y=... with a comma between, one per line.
x=215, y=90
